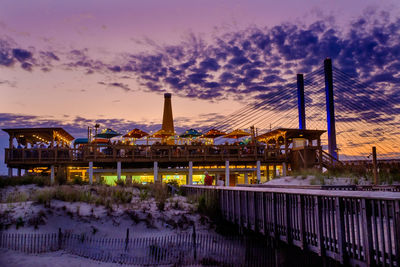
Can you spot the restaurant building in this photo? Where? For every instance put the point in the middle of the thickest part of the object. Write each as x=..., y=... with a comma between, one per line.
x=275, y=153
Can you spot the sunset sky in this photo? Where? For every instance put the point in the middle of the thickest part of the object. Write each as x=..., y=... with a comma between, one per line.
x=74, y=63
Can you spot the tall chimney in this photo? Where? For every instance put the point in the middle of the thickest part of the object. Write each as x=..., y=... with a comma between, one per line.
x=168, y=121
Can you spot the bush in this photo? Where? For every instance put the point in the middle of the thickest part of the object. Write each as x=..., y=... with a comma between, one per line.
x=160, y=193
x=17, y=197
x=44, y=197
x=122, y=196
x=72, y=194
x=24, y=180
x=61, y=179
x=120, y=183
x=144, y=194
x=40, y=219
x=19, y=223
x=78, y=181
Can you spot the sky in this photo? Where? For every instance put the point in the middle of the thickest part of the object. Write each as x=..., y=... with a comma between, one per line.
x=75, y=63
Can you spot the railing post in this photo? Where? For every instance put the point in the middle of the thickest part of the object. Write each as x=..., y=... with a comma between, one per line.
x=287, y=217
x=274, y=217
x=396, y=220
x=264, y=200
x=318, y=226
x=127, y=239
x=301, y=211
x=194, y=242
x=59, y=238
x=366, y=224
x=256, y=215
x=340, y=229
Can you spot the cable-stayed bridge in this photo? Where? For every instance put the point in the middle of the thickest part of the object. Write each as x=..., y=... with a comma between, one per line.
x=364, y=116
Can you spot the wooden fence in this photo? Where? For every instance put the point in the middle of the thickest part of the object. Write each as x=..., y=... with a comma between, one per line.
x=177, y=250
x=354, y=228
x=30, y=243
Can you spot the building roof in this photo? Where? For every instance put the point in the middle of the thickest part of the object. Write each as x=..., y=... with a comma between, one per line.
x=33, y=135
x=291, y=133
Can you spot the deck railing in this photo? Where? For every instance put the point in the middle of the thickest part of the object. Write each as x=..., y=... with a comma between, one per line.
x=143, y=153
x=354, y=228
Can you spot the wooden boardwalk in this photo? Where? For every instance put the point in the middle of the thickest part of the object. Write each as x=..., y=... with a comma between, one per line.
x=355, y=228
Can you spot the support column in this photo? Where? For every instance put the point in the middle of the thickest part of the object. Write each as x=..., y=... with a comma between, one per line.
x=52, y=174
x=267, y=172
x=10, y=172
x=119, y=170
x=91, y=172
x=300, y=102
x=155, y=169
x=246, y=178
x=190, y=180
x=274, y=172
x=330, y=108
x=19, y=172
x=284, y=167
x=227, y=172
x=258, y=171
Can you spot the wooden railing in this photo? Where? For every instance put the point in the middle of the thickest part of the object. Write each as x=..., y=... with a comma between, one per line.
x=391, y=188
x=329, y=161
x=142, y=153
x=354, y=228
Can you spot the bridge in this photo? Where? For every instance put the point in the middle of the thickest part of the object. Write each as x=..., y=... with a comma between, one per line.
x=357, y=115
x=357, y=228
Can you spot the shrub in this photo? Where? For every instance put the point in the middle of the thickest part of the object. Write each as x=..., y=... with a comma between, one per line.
x=133, y=216
x=120, y=183
x=17, y=197
x=44, y=196
x=24, y=180
x=121, y=196
x=72, y=194
x=19, y=223
x=38, y=220
x=94, y=230
x=160, y=193
x=144, y=194
x=78, y=180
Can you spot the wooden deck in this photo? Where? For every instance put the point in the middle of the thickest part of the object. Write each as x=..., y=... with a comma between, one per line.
x=167, y=153
x=355, y=228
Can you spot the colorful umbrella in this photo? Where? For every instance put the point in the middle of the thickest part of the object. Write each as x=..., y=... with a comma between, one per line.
x=162, y=134
x=190, y=133
x=101, y=141
x=136, y=133
x=236, y=134
x=108, y=133
x=79, y=141
x=213, y=133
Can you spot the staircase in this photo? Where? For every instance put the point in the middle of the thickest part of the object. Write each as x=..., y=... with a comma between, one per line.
x=330, y=162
